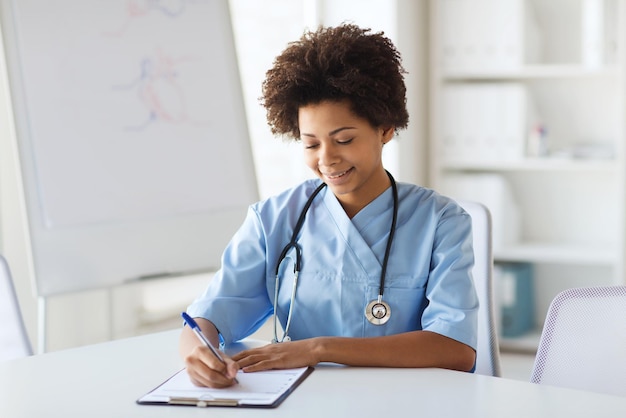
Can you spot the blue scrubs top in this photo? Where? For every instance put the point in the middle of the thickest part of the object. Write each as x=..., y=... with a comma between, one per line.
x=428, y=284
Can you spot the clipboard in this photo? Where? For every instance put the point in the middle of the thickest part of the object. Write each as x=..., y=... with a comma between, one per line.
x=265, y=389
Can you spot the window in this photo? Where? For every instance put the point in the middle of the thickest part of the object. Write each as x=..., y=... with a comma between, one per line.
x=262, y=30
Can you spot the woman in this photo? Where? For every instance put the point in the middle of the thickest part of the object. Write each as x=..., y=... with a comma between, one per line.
x=381, y=270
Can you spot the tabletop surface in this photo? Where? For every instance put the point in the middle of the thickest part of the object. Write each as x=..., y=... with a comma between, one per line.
x=105, y=380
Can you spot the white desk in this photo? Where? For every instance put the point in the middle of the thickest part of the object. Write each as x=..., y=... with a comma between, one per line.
x=104, y=380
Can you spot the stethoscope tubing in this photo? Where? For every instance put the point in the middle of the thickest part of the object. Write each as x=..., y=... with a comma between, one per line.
x=293, y=244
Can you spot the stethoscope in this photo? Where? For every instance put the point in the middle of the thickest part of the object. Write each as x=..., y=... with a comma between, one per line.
x=377, y=311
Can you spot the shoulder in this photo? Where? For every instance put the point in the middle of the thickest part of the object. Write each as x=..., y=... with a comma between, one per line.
x=289, y=198
x=428, y=202
x=283, y=209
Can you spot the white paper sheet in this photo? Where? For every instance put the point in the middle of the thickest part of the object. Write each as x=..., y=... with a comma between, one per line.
x=254, y=389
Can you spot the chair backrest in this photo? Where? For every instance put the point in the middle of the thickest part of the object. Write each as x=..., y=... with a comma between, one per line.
x=488, y=350
x=14, y=342
x=583, y=342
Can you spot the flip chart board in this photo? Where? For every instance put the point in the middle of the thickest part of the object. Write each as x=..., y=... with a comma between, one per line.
x=132, y=136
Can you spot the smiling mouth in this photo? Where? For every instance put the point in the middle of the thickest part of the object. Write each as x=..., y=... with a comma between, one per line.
x=337, y=175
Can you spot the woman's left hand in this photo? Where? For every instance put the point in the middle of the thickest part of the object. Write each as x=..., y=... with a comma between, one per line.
x=285, y=355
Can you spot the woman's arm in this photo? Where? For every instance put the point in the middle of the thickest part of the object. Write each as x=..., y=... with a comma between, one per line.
x=410, y=349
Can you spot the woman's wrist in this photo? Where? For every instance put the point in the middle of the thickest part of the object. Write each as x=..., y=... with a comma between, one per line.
x=321, y=349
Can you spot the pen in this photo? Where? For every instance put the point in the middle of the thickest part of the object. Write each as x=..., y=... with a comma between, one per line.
x=196, y=329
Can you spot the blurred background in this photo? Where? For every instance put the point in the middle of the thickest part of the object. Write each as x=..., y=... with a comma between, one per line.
x=518, y=104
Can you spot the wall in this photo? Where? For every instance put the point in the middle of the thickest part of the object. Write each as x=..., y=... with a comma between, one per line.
x=99, y=315
x=13, y=229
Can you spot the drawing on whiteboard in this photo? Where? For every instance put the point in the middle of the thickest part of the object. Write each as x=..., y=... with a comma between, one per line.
x=159, y=91
x=107, y=204
x=136, y=9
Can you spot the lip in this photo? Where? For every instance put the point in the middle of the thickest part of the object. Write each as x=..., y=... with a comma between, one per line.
x=338, y=176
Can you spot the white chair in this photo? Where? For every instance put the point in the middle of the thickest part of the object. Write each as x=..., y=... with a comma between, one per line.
x=583, y=342
x=14, y=342
x=488, y=350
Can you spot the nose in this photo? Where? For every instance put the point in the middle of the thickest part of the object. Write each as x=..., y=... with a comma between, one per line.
x=328, y=155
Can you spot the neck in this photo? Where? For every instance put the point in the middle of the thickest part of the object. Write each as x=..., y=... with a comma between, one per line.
x=354, y=202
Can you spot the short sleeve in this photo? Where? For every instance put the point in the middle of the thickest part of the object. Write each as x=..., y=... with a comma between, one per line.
x=236, y=300
x=452, y=301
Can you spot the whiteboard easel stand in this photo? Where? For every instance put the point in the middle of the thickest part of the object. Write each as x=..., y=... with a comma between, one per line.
x=110, y=306
x=42, y=333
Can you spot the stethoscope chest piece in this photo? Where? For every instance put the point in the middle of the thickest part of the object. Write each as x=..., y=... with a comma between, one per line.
x=378, y=312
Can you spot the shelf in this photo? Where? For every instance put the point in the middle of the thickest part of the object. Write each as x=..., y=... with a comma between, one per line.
x=534, y=164
x=490, y=90
x=558, y=253
x=530, y=72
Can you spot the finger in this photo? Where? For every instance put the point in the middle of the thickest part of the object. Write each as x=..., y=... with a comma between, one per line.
x=207, y=357
x=201, y=375
x=266, y=350
x=257, y=367
x=240, y=355
x=226, y=366
x=207, y=370
x=231, y=369
x=258, y=362
x=246, y=358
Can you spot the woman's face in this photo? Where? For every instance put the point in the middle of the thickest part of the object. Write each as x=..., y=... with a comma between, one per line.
x=345, y=151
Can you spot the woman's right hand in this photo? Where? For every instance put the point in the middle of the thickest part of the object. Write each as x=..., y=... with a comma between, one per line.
x=203, y=367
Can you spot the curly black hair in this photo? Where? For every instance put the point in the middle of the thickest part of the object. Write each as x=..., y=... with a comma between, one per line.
x=336, y=63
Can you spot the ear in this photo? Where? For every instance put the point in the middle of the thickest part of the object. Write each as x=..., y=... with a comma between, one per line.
x=387, y=133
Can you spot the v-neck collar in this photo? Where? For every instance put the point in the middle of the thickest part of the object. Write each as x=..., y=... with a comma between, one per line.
x=357, y=232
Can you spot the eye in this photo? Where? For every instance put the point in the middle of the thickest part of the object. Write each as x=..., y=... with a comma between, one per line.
x=310, y=146
x=344, y=141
